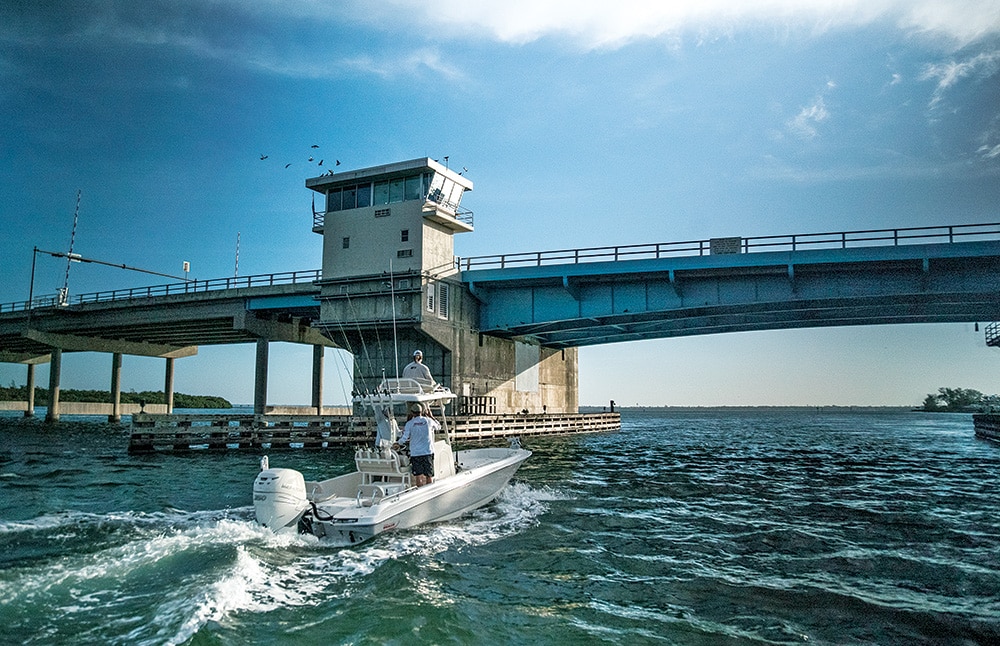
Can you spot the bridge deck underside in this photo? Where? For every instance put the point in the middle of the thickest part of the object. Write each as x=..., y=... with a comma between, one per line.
x=593, y=308
x=152, y=326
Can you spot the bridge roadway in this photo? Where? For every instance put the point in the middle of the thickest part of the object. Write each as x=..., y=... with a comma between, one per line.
x=579, y=297
x=570, y=298
x=167, y=321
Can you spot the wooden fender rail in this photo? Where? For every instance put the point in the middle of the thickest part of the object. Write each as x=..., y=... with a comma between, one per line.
x=232, y=432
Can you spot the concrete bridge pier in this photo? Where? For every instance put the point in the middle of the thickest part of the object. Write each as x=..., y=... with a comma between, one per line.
x=55, y=370
x=30, y=380
x=260, y=378
x=116, y=388
x=317, y=378
x=168, y=385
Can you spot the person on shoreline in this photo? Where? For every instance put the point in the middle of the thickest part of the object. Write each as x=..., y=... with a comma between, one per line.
x=419, y=432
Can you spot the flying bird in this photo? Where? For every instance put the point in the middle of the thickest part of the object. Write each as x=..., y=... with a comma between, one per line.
x=315, y=146
x=310, y=158
x=338, y=163
x=288, y=164
x=320, y=163
x=263, y=157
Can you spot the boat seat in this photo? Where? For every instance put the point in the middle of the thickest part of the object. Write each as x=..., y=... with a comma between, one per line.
x=381, y=462
x=317, y=493
x=369, y=494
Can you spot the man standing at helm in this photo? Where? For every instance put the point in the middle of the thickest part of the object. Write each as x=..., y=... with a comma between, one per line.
x=417, y=370
x=419, y=432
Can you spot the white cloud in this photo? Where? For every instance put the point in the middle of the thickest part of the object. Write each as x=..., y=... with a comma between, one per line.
x=598, y=23
x=804, y=123
x=950, y=73
x=411, y=64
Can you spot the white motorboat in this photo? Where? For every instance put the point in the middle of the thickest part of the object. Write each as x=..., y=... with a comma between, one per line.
x=380, y=495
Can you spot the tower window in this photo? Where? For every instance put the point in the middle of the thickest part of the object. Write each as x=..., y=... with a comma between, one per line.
x=364, y=195
x=347, y=242
x=404, y=253
x=404, y=235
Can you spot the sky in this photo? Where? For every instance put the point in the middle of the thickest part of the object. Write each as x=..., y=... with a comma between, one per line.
x=582, y=124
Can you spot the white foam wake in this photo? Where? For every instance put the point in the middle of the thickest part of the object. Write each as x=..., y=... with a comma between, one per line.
x=207, y=567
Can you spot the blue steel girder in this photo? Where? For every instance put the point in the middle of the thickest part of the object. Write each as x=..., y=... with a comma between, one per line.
x=574, y=305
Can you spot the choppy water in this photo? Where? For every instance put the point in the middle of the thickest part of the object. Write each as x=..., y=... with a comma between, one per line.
x=748, y=527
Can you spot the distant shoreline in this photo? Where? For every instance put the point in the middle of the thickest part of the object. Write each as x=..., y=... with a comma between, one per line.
x=831, y=408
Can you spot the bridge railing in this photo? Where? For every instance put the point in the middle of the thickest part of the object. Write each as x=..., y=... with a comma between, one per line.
x=795, y=242
x=992, y=332
x=170, y=289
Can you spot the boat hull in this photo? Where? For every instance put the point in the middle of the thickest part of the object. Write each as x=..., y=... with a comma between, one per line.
x=471, y=487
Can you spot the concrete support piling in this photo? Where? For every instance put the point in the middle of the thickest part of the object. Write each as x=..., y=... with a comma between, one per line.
x=30, y=410
x=55, y=368
x=116, y=388
x=168, y=385
x=317, y=378
x=260, y=378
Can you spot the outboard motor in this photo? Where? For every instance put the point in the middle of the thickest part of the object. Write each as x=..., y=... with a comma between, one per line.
x=279, y=498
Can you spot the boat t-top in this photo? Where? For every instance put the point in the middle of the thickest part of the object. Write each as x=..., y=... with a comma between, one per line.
x=381, y=494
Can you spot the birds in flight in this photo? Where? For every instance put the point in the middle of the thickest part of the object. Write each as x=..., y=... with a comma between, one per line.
x=312, y=159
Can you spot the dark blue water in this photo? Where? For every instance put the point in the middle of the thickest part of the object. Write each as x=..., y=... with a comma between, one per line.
x=709, y=527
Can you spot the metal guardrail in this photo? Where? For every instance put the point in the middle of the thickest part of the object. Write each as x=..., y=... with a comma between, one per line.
x=992, y=332
x=830, y=240
x=170, y=289
x=797, y=242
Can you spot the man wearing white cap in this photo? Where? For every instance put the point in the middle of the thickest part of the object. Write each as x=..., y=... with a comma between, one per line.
x=419, y=432
x=417, y=370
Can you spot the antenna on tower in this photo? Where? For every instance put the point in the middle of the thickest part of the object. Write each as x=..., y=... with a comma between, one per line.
x=70, y=257
x=236, y=271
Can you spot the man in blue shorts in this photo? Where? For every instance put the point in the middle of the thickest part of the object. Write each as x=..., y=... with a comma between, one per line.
x=419, y=432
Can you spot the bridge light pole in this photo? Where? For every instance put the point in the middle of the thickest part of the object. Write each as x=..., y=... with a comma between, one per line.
x=75, y=257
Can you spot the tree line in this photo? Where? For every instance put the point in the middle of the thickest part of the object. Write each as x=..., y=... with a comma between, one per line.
x=951, y=400
x=181, y=400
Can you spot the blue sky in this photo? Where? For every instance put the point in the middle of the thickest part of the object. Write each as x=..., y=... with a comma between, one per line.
x=581, y=123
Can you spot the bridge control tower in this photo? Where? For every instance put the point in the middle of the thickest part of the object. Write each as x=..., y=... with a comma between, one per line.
x=390, y=285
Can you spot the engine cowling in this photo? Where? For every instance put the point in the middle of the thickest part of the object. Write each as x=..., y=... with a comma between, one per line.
x=279, y=498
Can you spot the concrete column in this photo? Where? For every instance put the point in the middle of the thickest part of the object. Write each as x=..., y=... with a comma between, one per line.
x=260, y=378
x=55, y=370
x=116, y=388
x=317, y=380
x=168, y=385
x=30, y=412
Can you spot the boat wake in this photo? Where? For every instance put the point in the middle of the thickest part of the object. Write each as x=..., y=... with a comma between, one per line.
x=161, y=578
